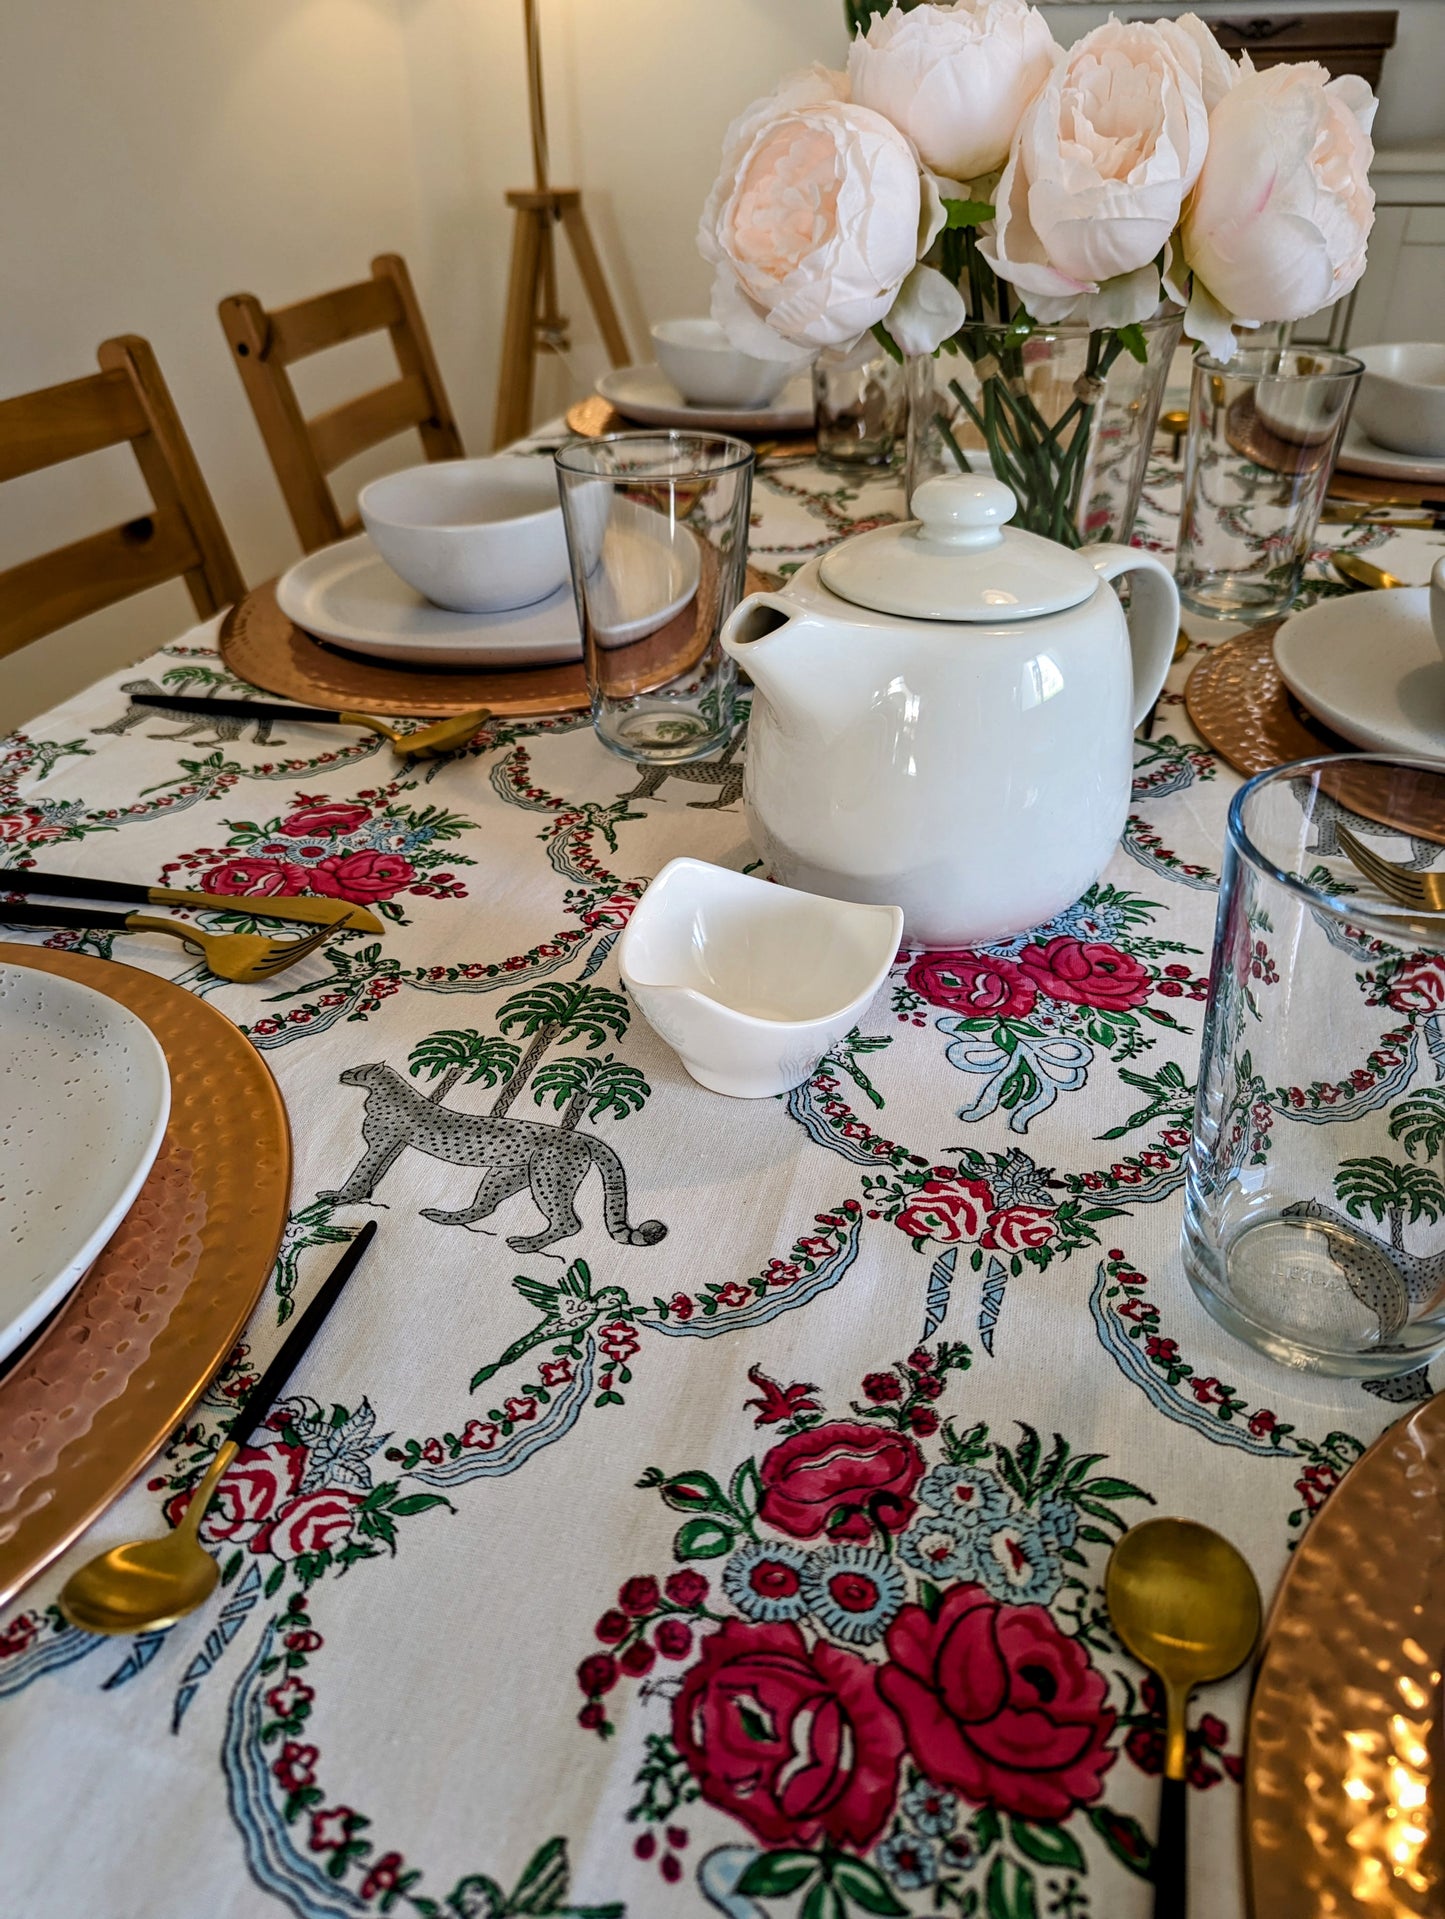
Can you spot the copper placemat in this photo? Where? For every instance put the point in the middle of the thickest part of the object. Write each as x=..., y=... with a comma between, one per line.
x=1343, y=1800
x=261, y=645
x=1239, y=706
x=134, y=1346
x=593, y=417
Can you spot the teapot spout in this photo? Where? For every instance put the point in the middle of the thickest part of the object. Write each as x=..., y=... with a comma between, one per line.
x=778, y=643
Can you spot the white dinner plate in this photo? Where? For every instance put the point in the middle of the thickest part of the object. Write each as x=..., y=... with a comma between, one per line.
x=1369, y=667
x=645, y=394
x=642, y=567
x=348, y=594
x=84, y=1096
x=1360, y=454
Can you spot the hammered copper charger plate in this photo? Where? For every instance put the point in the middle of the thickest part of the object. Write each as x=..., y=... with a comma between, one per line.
x=594, y=417
x=1345, y=1760
x=1239, y=706
x=117, y=1369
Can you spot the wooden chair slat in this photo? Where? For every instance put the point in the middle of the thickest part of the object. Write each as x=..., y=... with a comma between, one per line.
x=328, y=319
x=180, y=537
x=351, y=428
x=39, y=595
x=63, y=422
x=303, y=452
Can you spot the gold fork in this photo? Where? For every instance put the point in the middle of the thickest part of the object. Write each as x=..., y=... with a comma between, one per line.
x=246, y=958
x=1422, y=892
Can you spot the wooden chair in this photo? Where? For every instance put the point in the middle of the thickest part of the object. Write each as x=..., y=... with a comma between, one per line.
x=182, y=538
x=303, y=451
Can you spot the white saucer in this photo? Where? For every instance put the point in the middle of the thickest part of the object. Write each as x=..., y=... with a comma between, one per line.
x=84, y=1100
x=645, y=394
x=348, y=594
x=1368, y=666
x=1360, y=454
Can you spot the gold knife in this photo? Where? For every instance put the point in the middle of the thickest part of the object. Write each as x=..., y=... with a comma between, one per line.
x=342, y=914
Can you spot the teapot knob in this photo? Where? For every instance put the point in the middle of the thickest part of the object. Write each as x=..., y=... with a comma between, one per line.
x=962, y=512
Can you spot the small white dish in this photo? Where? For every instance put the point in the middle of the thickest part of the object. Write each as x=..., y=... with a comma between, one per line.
x=84, y=1097
x=1368, y=666
x=1401, y=403
x=473, y=536
x=1360, y=454
x=751, y=983
x=646, y=395
x=708, y=370
x=349, y=595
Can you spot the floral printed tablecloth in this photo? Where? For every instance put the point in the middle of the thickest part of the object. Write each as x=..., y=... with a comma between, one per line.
x=728, y=1535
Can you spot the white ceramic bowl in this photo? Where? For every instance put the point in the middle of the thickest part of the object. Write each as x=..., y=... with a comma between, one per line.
x=477, y=536
x=748, y=982
x=1401, y=402
x=708, y=370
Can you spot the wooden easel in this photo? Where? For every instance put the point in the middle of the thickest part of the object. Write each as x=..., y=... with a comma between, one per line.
x=533, y=320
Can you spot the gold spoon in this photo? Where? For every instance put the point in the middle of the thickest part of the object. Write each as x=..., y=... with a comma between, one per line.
x=151, y=1583
x=1360, y=572
x=428, y=742
x=1184, y=1602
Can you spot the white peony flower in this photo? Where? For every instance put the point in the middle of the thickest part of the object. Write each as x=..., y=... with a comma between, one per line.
x=1278, y=224
x=1100, y=167
x=815, y=220
x=955, y=79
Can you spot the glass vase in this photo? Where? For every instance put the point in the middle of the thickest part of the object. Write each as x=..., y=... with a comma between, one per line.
x=1064, y=418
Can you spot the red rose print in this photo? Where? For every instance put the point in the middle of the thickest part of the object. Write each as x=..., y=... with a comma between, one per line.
x=674, y=1638
x=296, y=1767
x=612, y=1627
x=733, y=1295
x=791, y=1740
x=597, y=1673
x=639, y=1595
x=1087, y=973
x=947, y=1210
x=593, y=1716
x=681, y=1305
x=315, y=1523
x=258, y=1481
x=639, y=1658
x=269, y=879
x=882, y=1388
x=686, y=1589
x=996, y=1701
x=920, y=1360
x=324, y=819
x=924, y=1421
x=383, y=1876
x=361, y=876
x=973, y=984
x=1419, y=986
x=1015, y=1227
x=19, y=1634
x=810, y=1475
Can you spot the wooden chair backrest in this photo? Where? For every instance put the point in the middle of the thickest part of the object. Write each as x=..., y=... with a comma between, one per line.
x=304, y=452
x=182, y=538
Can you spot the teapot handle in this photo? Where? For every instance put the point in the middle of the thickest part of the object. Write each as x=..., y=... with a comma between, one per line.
x=1153, y=616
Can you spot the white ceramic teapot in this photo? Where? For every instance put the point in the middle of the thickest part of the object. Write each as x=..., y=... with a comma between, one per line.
x=944, y=714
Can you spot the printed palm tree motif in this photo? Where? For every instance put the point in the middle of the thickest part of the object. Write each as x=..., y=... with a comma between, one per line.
x=467, y=1055
x=1386, y=1278
x=558, y=1013
x=568, y=1310
x=590, y=1087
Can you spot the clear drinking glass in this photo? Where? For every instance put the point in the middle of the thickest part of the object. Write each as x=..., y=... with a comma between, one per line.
x=860, y=405
x=1314, y=1223
x=1264, y=429
x=657, y=532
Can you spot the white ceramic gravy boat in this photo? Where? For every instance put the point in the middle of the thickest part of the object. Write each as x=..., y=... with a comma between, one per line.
x=944, y=714
x=750, y=983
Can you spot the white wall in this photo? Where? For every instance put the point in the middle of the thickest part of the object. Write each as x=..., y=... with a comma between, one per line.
x=157, y=154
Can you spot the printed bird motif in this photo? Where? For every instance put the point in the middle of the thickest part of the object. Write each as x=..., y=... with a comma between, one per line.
x=568, y=1310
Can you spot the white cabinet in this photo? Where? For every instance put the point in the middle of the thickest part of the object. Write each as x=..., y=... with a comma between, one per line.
x=1402, y=296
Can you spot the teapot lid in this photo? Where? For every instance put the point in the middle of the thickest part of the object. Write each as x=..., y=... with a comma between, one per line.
x=958, y=561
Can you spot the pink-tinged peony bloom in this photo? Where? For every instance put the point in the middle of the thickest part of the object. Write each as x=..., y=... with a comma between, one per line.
x=946, y=1210
x=1278, y=223
x=362, y=877
x=1016, y=1227
x=265, y=879
x=813, y=223
x=324, y=819
x=296, y=1766
x=790, y=1739
x=999, y=1703
x=315, y=1523
x=973, y=984
x=842, y=1463
x=1087, y=973
x=956, y=79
